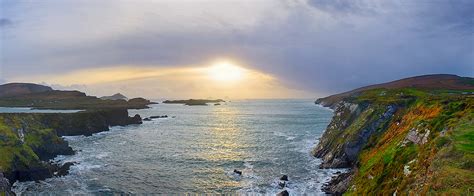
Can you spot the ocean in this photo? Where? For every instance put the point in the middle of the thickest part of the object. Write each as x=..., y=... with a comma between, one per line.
x=196, y=149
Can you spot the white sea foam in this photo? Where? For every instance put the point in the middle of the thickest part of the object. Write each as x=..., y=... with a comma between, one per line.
x=167, y=155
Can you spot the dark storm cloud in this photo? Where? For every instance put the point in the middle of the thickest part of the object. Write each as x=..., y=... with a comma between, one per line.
x=321, y=46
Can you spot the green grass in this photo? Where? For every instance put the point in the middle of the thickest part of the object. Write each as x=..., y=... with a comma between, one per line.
x=18, y=155
x=464, y=136
x=444, y=165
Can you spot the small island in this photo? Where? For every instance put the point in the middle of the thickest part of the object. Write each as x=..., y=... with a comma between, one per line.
x=194, y=102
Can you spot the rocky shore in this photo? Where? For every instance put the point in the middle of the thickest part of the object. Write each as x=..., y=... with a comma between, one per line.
x=401, y=139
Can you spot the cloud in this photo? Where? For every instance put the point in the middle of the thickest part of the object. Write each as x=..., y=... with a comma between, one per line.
x=345, y=6
x=317, y=46
x=4, y=22
x=183, y=82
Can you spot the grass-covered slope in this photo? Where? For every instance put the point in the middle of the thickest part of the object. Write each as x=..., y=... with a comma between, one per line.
x=24, y=144
x=402, y=140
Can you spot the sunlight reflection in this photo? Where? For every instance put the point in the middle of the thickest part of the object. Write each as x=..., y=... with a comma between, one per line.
x=227, y=142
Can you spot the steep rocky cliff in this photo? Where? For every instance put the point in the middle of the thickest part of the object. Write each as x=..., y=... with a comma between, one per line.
x=28, y=140
x=401, y=140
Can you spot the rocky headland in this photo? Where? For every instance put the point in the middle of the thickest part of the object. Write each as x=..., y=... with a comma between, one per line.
x=411, y=136
x=29, y=140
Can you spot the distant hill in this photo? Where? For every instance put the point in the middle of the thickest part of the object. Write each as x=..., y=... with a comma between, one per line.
x=116, y=96
x=16, y=89
x=44, y=97
x=426, y=82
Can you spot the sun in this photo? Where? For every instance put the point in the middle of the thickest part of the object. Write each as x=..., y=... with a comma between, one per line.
x=226, y=72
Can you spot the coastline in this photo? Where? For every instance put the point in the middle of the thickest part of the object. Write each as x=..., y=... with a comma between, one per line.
x=299, y=146
x=340, y=180
x=36, y=138
x=398, y=134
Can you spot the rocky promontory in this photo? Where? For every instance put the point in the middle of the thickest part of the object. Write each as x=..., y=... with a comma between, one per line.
x=411, y=136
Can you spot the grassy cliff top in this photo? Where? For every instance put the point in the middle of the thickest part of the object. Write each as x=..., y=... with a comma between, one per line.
x=419, y=86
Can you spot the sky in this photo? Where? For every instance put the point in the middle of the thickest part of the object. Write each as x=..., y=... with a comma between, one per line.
x=279, y=48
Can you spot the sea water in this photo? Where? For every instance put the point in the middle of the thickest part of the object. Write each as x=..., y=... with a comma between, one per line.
x=31, y=110
x=196, y=149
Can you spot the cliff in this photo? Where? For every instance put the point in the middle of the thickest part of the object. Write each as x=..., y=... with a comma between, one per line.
x=402, y=139
x=28, y=140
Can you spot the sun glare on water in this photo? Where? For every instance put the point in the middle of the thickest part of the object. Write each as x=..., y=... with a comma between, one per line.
x=226, y=72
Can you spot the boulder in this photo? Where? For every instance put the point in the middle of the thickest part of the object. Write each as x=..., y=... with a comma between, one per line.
x=283, y=193
x=64, y=169
x=282, y=184
x=163, y=116
x=237, y=172
x=284, y=178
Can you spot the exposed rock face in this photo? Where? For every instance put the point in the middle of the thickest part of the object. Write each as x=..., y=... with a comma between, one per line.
x=5, y=186
x=417, y=137
x=338, y=184
x=89, y=122
x=50, y=150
